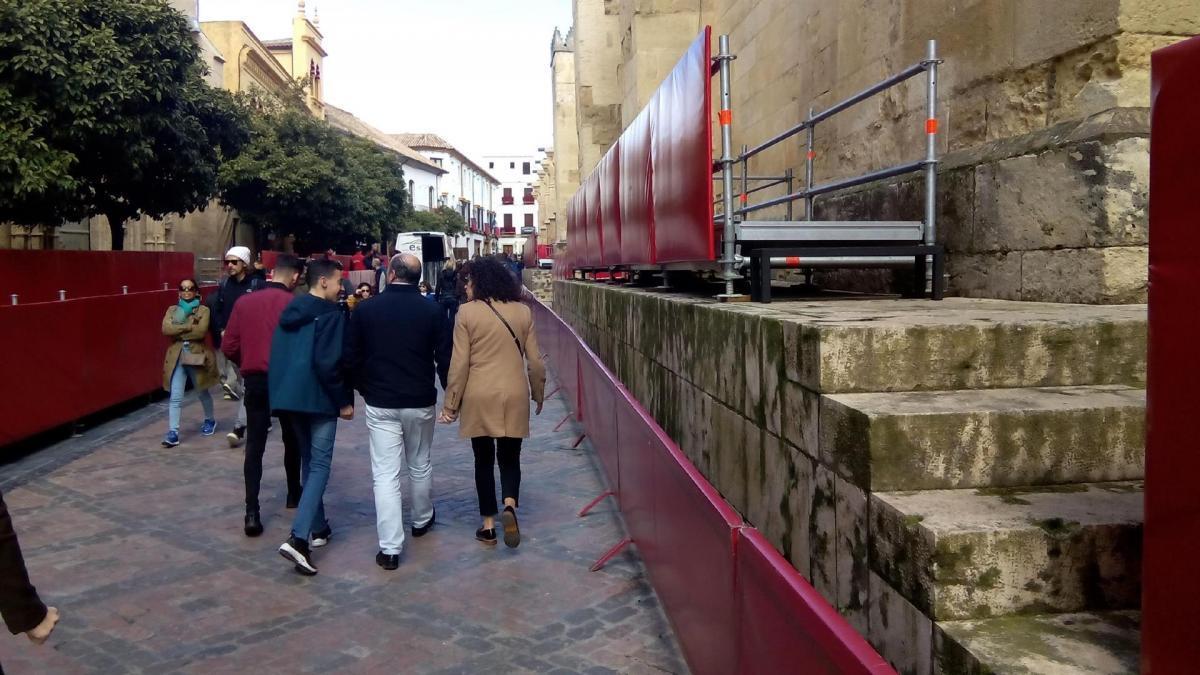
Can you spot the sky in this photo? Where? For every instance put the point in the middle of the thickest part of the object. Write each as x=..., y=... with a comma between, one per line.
x=476, y=72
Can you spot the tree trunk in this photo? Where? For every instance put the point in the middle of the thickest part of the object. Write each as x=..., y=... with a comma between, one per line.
x=116, y=228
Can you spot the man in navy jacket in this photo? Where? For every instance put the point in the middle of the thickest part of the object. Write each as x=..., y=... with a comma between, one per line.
x=395, y=344
x=305, y=383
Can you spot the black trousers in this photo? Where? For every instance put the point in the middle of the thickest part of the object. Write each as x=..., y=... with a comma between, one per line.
x=19, y=602
x=258, y=418
x=487, y=452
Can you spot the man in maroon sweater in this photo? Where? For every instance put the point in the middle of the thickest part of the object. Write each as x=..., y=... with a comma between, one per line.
x=247, y=342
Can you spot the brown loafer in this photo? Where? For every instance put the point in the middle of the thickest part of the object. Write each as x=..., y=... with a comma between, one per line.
x=512, y=531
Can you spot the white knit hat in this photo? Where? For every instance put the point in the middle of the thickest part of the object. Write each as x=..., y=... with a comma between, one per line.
x=240, y=252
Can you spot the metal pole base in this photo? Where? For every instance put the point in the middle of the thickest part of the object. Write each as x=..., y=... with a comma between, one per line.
x=612, y=553
x=592, y=504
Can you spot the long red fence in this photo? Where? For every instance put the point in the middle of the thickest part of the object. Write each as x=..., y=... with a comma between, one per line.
x=736, y=604
x=64, y=360
x=650, y=199
x=1170, y=586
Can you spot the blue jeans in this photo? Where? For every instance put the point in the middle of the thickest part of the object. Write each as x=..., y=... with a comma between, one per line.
x=315, y=434
x=179, y=380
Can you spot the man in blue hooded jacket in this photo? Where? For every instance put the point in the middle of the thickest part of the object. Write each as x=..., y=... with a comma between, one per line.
x=305, y=383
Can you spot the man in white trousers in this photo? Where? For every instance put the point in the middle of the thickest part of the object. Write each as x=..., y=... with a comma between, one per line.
x=395, y=347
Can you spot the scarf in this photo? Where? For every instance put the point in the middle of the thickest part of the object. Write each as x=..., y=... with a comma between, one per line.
x=185, y=308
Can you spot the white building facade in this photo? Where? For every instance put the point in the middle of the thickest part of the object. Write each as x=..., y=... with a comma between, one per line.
x=466, y=187
x=517, y=213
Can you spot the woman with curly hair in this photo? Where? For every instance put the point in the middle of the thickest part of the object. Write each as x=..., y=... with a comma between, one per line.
x=495, y=370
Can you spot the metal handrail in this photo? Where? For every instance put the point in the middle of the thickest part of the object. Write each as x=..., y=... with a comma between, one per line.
x=898, y=170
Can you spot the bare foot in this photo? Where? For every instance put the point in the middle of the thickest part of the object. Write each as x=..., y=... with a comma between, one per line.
x=40, y=633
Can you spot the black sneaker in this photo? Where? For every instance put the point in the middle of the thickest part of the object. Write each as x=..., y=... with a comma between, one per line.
x=297, y=551
x=486, y=536
x=387, y=561
x=321, y=538
x=512, y=532
x=424, y=529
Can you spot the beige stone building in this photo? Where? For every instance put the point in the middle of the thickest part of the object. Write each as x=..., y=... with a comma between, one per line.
x=1043, y=109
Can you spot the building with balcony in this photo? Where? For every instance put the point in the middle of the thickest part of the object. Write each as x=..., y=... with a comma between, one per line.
x=466, y=187
x=518, y=209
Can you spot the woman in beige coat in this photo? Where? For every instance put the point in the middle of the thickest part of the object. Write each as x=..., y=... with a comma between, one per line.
x=186, y=323
x=495, y=370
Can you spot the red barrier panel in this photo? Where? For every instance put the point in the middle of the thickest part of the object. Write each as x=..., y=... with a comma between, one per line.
x=599, y=403
x=786, y=626
x=1172, y=528
x=637, y=186
x=595, y=229
x=78, y=357
x=682, y=159
x=610, y=207
x=38, y=276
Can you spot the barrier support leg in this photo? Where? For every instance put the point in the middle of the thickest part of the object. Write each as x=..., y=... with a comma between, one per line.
x=592, y=504
x=764, y=279
x=578, y=441
x=553, y=392
x=564, y=421
x=612, y=553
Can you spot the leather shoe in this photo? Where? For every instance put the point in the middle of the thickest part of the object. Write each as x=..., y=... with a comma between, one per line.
x=253, y=526
x=386, y=561
x=423, y=530
x=293, y=501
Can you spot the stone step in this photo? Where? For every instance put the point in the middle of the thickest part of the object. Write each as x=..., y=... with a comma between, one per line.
x=985, y=438
x=1100, y=643
x=974, y=554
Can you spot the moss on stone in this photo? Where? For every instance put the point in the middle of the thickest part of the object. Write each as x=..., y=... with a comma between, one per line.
x=913, y=520
x=989, y=579
x=1057, y=527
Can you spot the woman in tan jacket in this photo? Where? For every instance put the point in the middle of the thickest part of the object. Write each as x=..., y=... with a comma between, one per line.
x=186, y=323
x=495, y=370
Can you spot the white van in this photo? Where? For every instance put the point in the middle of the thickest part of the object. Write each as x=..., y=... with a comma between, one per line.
x=433, y=248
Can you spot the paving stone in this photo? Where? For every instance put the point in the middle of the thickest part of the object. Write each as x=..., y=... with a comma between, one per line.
x=141, y=548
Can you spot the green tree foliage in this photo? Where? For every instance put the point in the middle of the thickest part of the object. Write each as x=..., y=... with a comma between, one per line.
x=103, y=110
x=441, y=219
x=300, y=176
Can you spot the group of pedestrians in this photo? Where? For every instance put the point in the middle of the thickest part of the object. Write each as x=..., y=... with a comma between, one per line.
x=302, y=357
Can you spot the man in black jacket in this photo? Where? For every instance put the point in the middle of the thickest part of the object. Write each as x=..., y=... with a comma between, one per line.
x=394, y=346
x=242, y=278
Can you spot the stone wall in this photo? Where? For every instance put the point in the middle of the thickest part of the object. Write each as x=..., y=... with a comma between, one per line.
x=1042, y=108
x=540, y=283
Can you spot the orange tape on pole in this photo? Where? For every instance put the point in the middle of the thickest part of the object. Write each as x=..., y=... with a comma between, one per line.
x=812, y=154
x=726, y=117
x=745, y=197
x=793, y=261
x=931, y=126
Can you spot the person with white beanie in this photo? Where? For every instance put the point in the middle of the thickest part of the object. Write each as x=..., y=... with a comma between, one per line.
x=241, y=279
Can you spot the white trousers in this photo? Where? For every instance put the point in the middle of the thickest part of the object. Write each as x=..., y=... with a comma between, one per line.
x=400, y=440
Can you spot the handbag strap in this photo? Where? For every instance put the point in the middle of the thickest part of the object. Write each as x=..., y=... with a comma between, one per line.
x=506, y=325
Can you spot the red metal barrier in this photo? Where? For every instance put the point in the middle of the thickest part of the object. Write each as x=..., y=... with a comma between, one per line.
x=1170, y=586
x=610, y=207
x=70, y=359
x=736, y=605
x=38, y=276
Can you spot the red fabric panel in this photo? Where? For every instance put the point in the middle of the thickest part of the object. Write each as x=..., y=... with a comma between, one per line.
x=595, y=233
x=37, y=276
x=682, y=159
x=638, y=443
x=599, y=401
x=637, y=181
x=786, y=626
x=78, y=357
x=610, y=207
x=1170, y=585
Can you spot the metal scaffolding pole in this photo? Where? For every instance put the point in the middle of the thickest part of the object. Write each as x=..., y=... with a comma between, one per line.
x=726, y=118
x=931, y=158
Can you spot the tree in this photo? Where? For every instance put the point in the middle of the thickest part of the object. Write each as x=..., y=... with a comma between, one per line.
x=300, y=176
x=104, y=111
x=441, y=219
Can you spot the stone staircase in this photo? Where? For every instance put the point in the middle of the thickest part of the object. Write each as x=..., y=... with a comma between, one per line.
x=960, y=479
x=1004, y=524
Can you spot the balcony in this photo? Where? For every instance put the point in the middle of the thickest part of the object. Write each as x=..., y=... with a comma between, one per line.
x=528, y=200
x=506, y=200
x=508, y=232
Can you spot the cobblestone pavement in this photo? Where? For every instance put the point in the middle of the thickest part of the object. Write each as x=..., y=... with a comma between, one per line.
x=141, y=549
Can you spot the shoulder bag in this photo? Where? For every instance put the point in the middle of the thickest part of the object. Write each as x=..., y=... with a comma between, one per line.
x=506, y=325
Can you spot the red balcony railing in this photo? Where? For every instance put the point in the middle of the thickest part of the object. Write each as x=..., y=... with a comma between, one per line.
x=528, y=200
x=507, y=200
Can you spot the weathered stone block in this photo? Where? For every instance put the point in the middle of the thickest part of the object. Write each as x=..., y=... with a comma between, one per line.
x=773, y=375
x=962, y=554
x=900, y=632
x=985, y=438
x=1088, y=195
x=984, y=275
x=822, y=533
x=1096, y=275
x=801, y=410
x=1100, y=643
x=853, y=534
x=732, y=436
